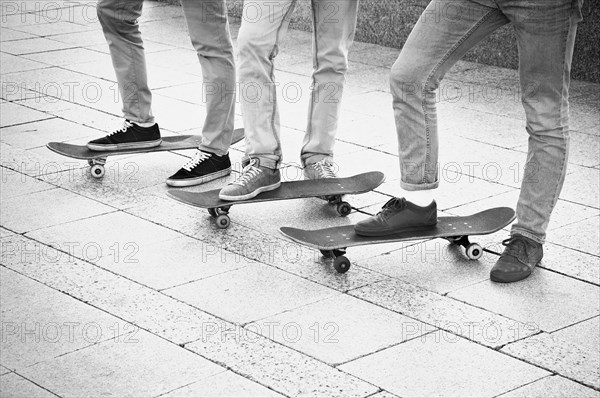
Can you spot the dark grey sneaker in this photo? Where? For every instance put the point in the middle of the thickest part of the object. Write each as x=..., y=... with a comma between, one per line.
x=319, y=170
x=130, y=136
x=202, y=168
x=398, y=215
x=253, y=180
x=518, y=260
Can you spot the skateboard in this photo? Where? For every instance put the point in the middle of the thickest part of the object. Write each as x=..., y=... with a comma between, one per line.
x=333, y=242
x=332, y=188
x=97, y=159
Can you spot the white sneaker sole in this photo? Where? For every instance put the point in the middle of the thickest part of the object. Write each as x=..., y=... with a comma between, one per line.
x=251, y=194
x=128, y=145
x=190, y=182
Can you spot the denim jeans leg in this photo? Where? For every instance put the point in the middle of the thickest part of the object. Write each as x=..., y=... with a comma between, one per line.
x=209, y=32
x=119, y=21
x=264, y=24
x=440, y=38
x=333, y=34
x=545, y=32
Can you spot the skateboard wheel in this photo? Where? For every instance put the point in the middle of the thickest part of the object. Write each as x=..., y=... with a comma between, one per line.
x=223, y=221
x=341, y=264
x=213, y=213
x=474, y=251
x=97, y=171
x=344, y=209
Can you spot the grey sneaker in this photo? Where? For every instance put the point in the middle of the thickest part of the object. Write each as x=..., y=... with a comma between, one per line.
x=253, y=180
x=322, y=169
x=518, y=260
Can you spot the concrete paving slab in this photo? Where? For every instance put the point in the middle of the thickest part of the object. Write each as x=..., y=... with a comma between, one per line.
x=171, y=263
x=13, y=385
x=263, y=248
x=456, y=368
x=436, y=265
x=253, y=355
x=13, y=114
x=251, y=293
x=338, y=329
x=13, y=63
x=503, y=131
x=35, y=215
x=586, y=334
x=7, y=34
x=125, y=368
x=35, y=162
x=15, y=184
x=66, y=57
x=573, y=263
x=49, y=324
x=115, y=233
x=583, y=236
x=124, y=179
x=55, y=28
x=452, y=316
x=4, y=371
x=125, y=299
x=552, y=386
x=279, y=368
x=562, y=357
x=225, y=384
x=582, y=185
x=81, y=39
x=4, y=233
x=584, y=149
x=34, y=45
x=37, y=134
x=540, y=299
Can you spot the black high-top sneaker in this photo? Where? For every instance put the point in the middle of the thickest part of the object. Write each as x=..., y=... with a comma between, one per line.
x=130, y=136
x=202, y=168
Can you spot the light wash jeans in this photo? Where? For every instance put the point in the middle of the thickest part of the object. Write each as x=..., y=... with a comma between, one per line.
x=209, y=31
x=264, y=24
x=446, y=30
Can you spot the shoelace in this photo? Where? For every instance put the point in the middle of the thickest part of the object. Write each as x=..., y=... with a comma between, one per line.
x=515, y=246
x=391, y=205
x=198, y=158
x=126, y=124
x=325, y=169
x=247, y=175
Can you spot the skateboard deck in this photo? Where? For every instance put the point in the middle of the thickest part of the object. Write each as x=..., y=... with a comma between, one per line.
x=333, y=242
x=97, y=159
x=332, y=188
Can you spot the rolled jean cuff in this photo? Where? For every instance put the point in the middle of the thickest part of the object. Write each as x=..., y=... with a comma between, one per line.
x=268, y=162
x=541, y=240
x=312, y=158
x=132, y=118
x=419, y=187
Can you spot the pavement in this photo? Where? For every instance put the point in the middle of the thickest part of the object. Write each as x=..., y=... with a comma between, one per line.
x=111, y=288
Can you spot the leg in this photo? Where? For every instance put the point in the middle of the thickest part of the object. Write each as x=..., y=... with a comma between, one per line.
x=439, y=39
x=119, y=23
x=258, y=45
x=209, y=32
x=334, y=28
x=546, y=36
x=444, y=33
